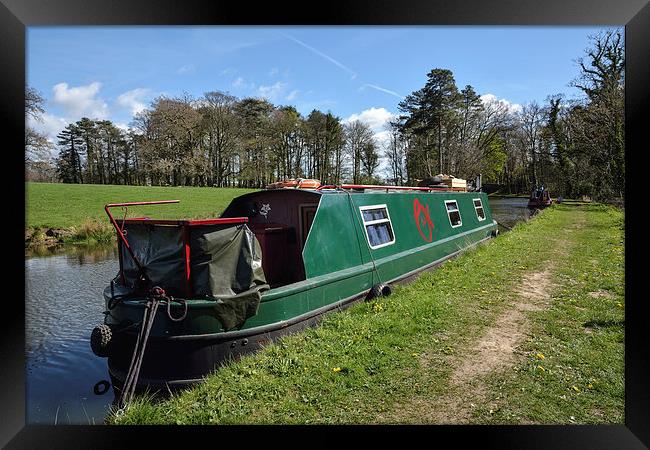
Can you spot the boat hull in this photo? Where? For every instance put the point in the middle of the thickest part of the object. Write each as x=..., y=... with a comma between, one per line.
x=333, y=263
x=182, y=360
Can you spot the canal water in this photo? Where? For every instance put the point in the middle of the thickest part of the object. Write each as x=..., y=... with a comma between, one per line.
x=63, y=302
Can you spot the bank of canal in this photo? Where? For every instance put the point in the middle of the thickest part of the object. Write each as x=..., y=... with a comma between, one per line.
x=63, y=303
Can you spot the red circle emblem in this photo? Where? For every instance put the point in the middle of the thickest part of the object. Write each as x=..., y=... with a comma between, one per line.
x=423, y=220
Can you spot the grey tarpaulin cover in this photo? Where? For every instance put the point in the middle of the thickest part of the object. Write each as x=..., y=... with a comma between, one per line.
x=225, y=265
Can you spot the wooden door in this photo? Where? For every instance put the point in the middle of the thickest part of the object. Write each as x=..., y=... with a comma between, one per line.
x=307, y=214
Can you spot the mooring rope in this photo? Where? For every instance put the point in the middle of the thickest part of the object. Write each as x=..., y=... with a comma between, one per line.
x=130, y=382
x=504, y=226
x=156, y=297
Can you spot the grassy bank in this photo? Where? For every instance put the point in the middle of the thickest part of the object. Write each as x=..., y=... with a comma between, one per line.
x=398, y=359
x=75, y=212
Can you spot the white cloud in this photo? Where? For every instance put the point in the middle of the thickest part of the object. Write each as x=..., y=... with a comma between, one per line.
x=271, y=92
x=239, y=82
x=292, y=95
x=49, y=125
x=491, y=98
x=188, y=68
x=124, y=127
x=80, y=101
x=381, y=89
x=228, y=71
x=375, y=118
x=382, y=138
x=338, y=64
x=133, y=100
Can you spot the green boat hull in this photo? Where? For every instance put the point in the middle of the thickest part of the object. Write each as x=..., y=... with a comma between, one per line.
x=339, y=265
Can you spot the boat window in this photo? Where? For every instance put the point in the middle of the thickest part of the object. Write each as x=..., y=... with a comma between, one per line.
x=454, y=213
x=379, y=229
x=478, y=206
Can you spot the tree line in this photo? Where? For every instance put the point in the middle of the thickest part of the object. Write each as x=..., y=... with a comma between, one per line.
x=573, y=146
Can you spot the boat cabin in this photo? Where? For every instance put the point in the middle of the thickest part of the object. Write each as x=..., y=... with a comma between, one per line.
x=281, y=220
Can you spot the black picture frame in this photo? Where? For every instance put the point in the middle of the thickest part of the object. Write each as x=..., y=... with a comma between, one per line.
x=16, y=15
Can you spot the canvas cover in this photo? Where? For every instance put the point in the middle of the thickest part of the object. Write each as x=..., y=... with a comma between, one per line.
x=159, y=249
x=225, y=265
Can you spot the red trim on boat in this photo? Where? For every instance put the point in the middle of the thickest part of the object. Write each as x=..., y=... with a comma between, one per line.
x=189, y=222
x=188, y=284
x=389, y=188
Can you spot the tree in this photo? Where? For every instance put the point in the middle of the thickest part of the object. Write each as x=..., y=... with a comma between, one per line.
x=602, y=128
x=221, y=131
x=395, y=153
x=430, y=112
x=369, y=160
x=68, y=163
x=37, y=145
x=255, y=119
x=531, y=119
x=89, y=136
x=359, y=141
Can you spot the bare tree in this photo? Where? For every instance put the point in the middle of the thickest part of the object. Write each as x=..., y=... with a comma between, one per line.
x=358, y=138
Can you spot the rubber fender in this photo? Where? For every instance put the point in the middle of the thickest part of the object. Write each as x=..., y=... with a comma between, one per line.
x=100, y=340
x=379, y=290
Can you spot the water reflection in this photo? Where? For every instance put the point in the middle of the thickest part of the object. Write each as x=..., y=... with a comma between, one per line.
x=63, y=301
x=509, y=211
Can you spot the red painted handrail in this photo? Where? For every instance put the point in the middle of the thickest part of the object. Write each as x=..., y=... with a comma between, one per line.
x=188, y=222
x=374, y=186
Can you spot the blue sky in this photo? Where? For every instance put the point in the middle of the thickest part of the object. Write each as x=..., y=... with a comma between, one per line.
x=354, y=72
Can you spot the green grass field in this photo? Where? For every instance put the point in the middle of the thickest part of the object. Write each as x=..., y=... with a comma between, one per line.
x=55, y=205
x=395, y=359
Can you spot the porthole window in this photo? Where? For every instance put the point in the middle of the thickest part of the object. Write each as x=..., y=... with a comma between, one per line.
x=453, y=213
x=379, y=229
x=478, y=206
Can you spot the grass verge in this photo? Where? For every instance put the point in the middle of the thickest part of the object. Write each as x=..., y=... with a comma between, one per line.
x=364, y=364
x=59, y=213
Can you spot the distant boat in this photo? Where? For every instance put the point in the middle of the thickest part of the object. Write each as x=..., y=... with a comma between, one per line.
x=539, y=198
x=272, y=264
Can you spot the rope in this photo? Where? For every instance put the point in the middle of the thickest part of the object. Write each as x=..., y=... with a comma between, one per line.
x=156, y=297
x=130, y=382
x=504, y=226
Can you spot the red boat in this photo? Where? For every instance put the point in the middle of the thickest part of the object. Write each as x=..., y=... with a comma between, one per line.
x=539, y=198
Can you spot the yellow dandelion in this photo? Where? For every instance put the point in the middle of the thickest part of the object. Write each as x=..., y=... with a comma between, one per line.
x=590, y=386
x=336, y=369
x=575, y=388
x=541, y=368
x=540, y=356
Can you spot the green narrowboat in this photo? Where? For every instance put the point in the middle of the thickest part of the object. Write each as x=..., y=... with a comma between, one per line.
x=273, y=263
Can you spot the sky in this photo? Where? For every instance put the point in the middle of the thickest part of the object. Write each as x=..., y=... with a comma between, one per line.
x=356, y=72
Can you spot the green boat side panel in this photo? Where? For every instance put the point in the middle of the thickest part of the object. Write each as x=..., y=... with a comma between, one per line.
x=338, y=240
x=338, y=261
x=333, y=241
